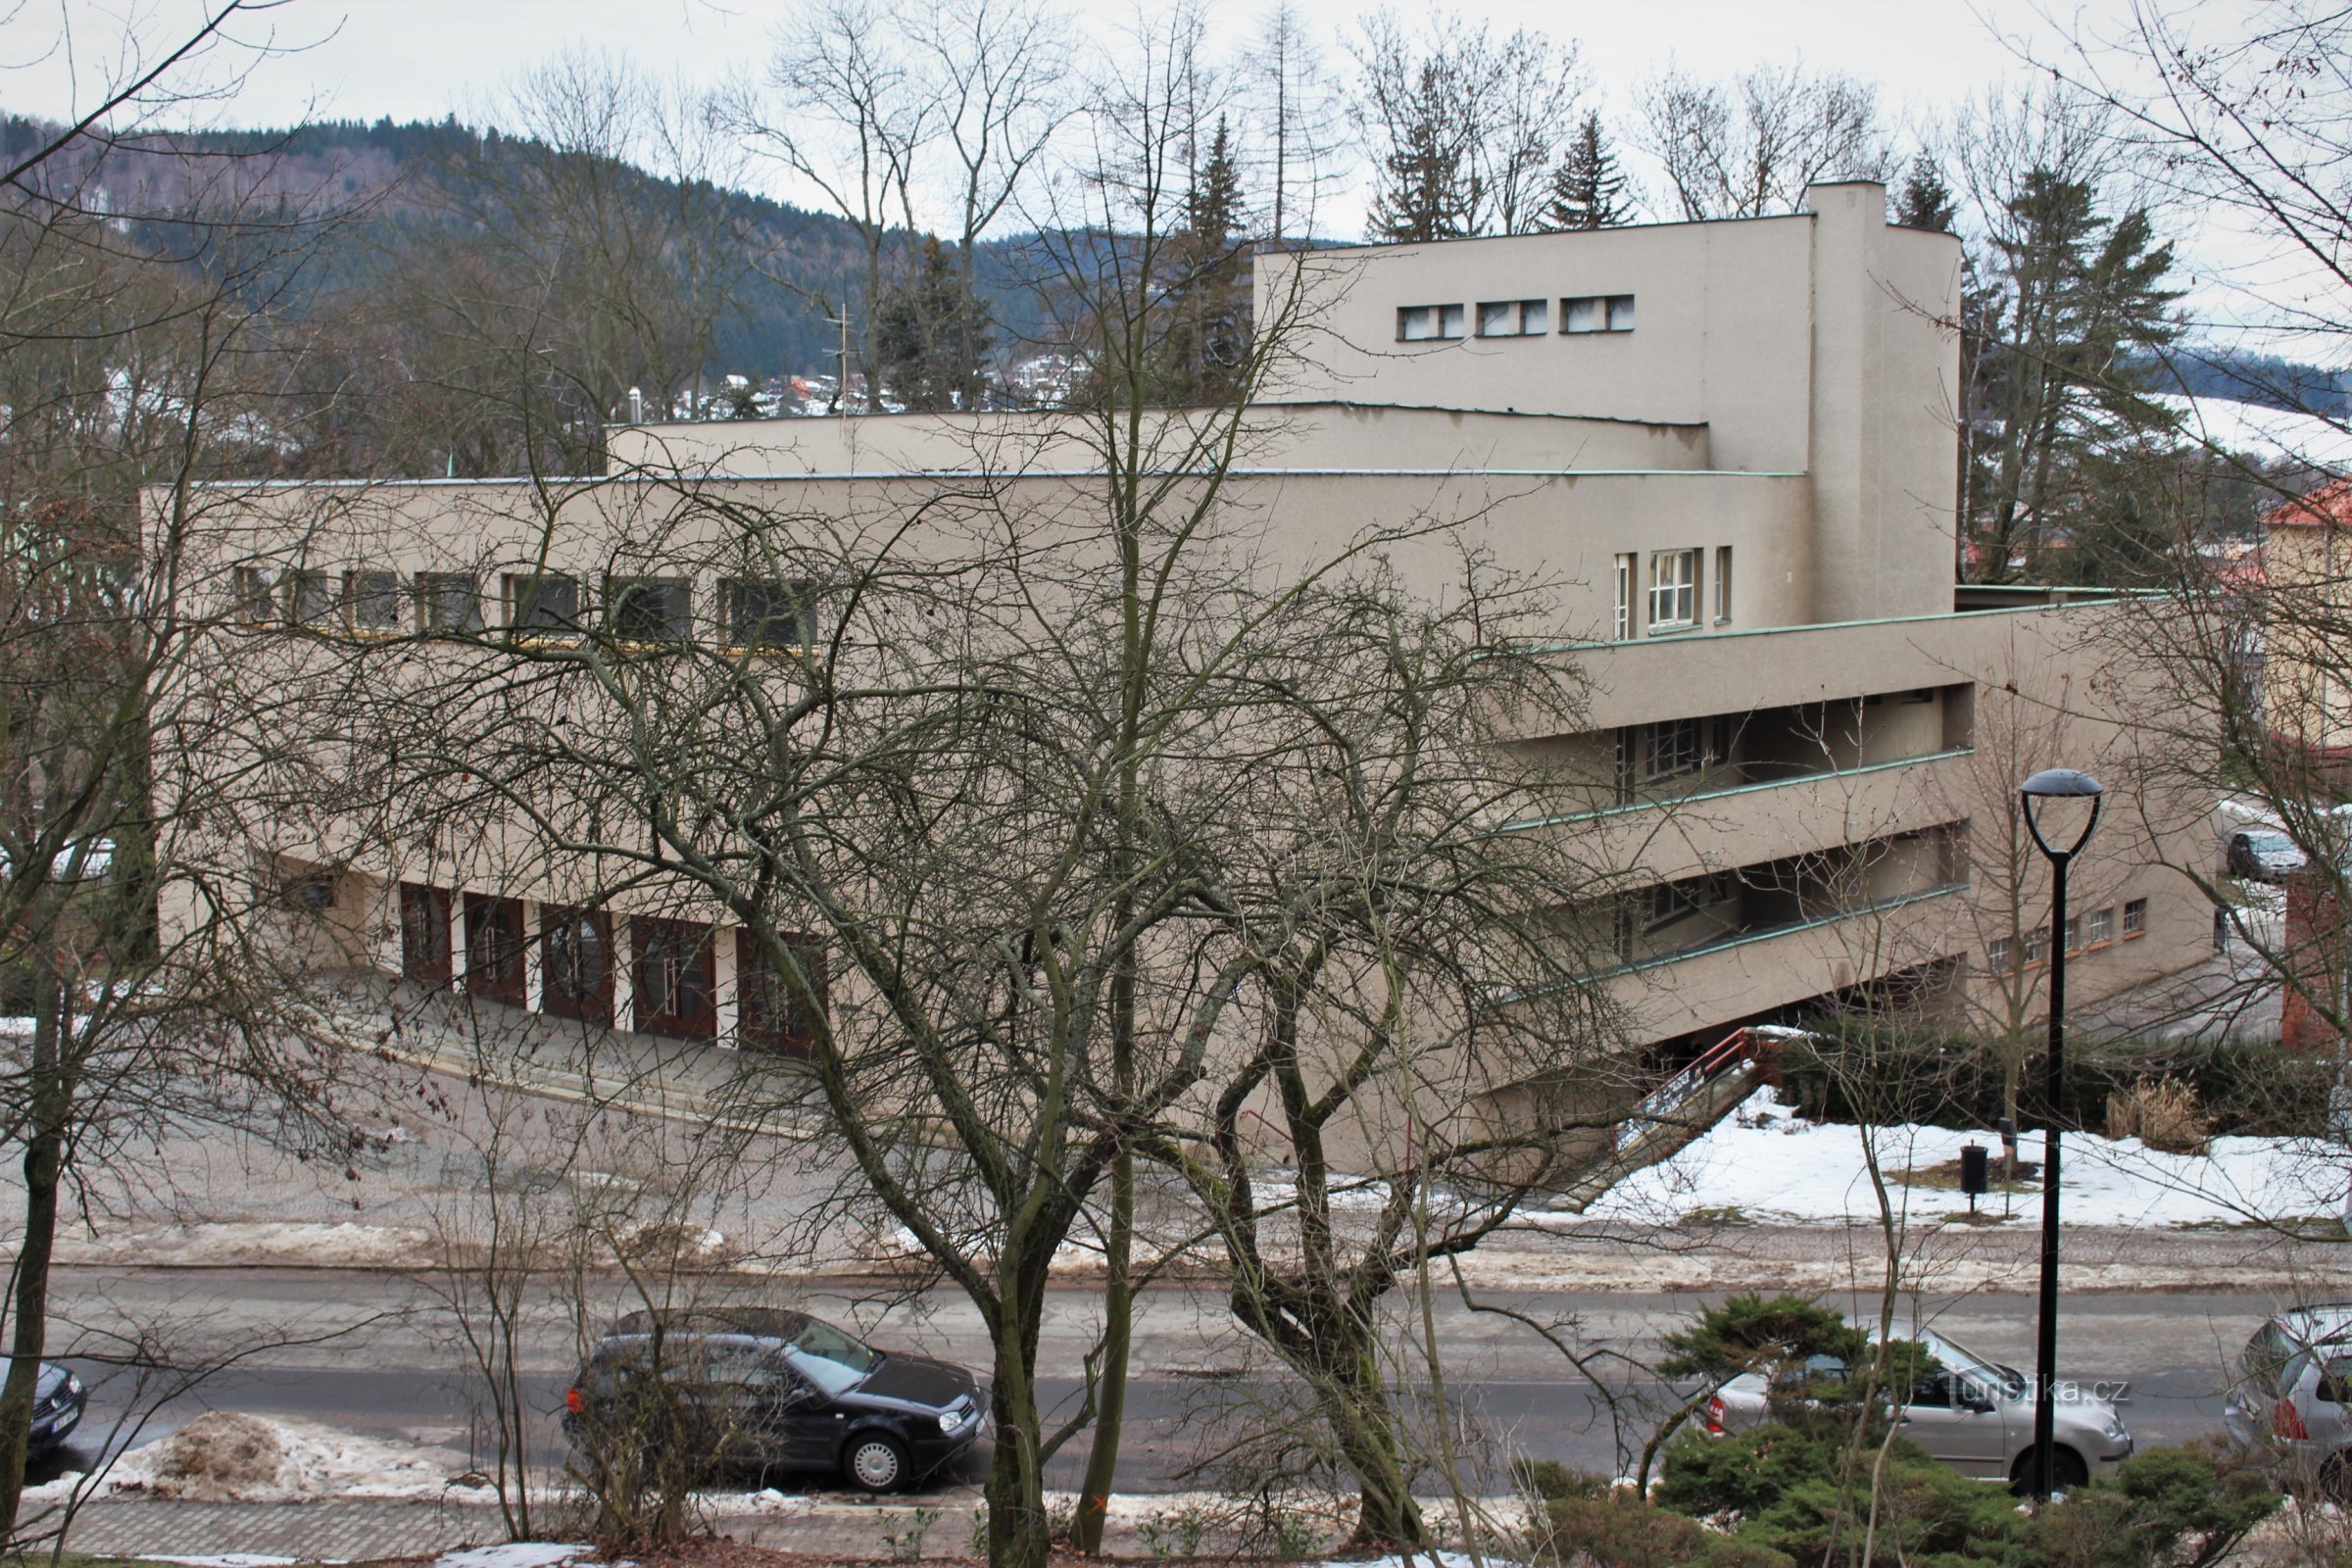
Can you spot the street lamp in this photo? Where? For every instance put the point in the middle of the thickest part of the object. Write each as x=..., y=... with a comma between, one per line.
x=2052, y=784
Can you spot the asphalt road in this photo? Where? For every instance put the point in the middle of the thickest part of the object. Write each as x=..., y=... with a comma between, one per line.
x=372, y=1353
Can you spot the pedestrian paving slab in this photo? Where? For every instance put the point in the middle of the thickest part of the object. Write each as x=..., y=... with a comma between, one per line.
x=327, y=1532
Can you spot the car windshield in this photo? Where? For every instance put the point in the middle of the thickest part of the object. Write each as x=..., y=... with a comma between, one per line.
x=1960, y=1358
x=2270, y=844
x=830, y=1358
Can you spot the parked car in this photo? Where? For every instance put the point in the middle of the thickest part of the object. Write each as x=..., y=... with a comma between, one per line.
x=755, y=1390
x=58, y=1398
x=1974, y=1414
x=2263, y=855
x=2294, y=1382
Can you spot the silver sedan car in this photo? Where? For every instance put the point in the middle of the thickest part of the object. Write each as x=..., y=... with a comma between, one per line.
x=1975, y=1414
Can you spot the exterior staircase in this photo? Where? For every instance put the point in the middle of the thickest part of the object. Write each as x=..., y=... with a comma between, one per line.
x=1681, y=1110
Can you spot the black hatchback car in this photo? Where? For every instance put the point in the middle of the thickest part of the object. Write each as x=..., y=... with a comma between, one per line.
x=57, y=1405
x=754, y=1390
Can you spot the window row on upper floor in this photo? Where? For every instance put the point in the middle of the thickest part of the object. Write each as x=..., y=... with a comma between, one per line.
x=1579, y=313
x=748, y=612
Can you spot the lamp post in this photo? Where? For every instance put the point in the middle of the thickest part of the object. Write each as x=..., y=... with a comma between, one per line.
x=2052, y=783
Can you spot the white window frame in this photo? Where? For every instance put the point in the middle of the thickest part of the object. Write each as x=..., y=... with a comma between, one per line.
x=2135, y=918
x=2001, y=955
x=1674, y=590
x=1511, y=317
x=1623, y=625
x=2099, y=930
x=1674, y=748
x=1723, y=585
x=1582, y=314
x=1429, y=323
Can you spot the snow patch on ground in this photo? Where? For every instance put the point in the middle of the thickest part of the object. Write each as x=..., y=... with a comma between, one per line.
x=224, y=1456
x=232, y=1560
x=297, y=1243
x=1764, y=1163
x=517, y=1554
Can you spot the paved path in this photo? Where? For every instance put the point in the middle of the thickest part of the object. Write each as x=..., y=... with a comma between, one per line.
x=335, y=1532
x=355, y=1532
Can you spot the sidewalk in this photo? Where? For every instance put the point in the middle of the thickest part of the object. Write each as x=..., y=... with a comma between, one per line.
x=937, y=1523
x=556, y=1058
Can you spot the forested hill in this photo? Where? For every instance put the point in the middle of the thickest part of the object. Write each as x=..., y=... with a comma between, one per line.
x=397, y=178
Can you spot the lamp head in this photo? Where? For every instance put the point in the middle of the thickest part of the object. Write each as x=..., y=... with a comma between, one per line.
x=2059, y=784
x=2060, y=781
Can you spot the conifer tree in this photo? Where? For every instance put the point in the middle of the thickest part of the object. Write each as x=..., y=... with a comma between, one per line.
x=1208, y=337
x=929, y=333
x=1588, y=190
x=1924, y=201
x=1430, y=188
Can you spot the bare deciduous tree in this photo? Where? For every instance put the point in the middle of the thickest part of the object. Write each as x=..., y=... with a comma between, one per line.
x=1748, y=147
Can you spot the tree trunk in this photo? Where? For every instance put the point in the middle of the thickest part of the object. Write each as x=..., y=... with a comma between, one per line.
x=1110, y=1401
x=1356, y=1402
x=1018, y=1536
x=44, y=1165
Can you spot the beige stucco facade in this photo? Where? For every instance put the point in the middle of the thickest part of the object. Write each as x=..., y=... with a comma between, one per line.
x=1801, y=732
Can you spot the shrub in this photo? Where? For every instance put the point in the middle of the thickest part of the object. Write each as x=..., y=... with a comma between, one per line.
x=1615, y=1529
x=2162, y=1115
x=2240, y=1088
x=1806, y=1495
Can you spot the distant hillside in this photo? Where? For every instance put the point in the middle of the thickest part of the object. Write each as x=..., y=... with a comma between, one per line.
x=2259, y=378
x=400, y=173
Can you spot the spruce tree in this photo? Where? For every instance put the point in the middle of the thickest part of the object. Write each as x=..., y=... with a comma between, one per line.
x=1429, y=185
x=1588, y=190
x=929, y=333
x=1207, y=339
x=1924, y=201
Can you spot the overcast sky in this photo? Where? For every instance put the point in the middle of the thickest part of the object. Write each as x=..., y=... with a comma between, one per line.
x=422, y=59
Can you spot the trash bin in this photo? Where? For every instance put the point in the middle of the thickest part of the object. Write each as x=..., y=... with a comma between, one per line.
x=1975, y=1172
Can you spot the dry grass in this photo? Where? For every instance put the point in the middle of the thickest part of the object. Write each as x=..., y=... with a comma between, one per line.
x=2163, y=1115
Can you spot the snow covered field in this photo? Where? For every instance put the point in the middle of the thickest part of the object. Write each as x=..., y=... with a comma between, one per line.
x=1770, y=1165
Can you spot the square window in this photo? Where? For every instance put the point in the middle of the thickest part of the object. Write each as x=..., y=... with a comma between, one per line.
x=2101, y=929
x=1668, y=902
x=543, y=602
x=448, y=601
x=649, y=610
x=1580, y=315
x=2136, y=917
x=1423, y=323
x=2000, y=954
x=1511, y=319
x=1674, y=746
x=1672, y=589
x=2038, y=944
x=257, y=594
x=372, y=600
x=1620, y=309
x=310, y=598
x=763, y=613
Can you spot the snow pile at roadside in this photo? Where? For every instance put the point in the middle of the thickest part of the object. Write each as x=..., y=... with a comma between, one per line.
x=225, y=1456
x=1763, y=1163
x=519, y=1554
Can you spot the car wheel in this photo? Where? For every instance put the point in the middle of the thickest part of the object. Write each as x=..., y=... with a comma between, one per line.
x=875, y=1462
x=2068, y=1472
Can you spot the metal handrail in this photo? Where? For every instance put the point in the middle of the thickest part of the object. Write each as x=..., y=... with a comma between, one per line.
x=1660, y=1102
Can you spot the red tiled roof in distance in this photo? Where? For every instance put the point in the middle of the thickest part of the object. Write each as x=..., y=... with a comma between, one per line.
x=2329, y=505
